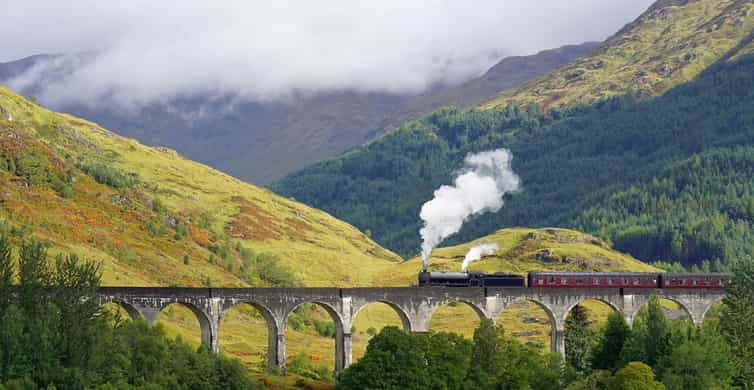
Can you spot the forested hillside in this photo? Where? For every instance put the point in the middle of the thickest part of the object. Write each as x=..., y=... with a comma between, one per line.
x=618, y=169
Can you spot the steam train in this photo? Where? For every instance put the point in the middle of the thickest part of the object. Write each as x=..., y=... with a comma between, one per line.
x=575, y=280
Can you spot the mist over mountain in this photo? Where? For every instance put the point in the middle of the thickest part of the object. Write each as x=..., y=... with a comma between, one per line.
x=246, y=138
x=236, y=87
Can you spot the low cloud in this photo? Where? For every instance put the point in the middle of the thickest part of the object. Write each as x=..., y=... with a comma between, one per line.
x=150, y=52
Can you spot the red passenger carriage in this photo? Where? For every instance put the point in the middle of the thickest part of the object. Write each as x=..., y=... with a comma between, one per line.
x=711, y=280
x=593, y=280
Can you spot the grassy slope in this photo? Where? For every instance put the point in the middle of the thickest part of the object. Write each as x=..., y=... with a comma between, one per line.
x=669, y=44
x=108, y=224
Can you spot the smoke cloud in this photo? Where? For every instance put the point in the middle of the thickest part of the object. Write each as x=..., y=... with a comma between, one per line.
x=476, y=253
x=154, y=51
x=479, y=189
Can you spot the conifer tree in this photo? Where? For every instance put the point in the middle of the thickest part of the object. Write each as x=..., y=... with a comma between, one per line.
x=577, y=339
x=736, y=322
x=606, y=354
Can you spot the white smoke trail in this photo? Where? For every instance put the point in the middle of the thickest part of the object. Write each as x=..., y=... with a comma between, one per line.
x=480, y=187
x=476, y=253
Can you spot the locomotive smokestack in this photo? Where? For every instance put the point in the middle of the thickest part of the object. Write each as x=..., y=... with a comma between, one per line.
x=479, y=188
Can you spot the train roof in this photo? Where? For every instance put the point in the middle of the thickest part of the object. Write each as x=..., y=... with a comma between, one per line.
x=697, y=274
x=594, y=273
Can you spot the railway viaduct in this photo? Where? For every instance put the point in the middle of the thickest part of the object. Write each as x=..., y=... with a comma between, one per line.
x=412, y=304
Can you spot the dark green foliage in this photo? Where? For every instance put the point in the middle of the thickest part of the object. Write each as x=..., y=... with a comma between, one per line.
x=650, y=337
x=699, y=360
x=54, y=335
x=111, y=176
x=736, y=322
x=6, y=272
x=325, y=328
x=606, y=354
x=578, y=339
x=483, y=369
x=396, y=360
x=669, y=178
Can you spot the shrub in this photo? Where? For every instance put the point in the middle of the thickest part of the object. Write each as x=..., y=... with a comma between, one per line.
x=325, y=328
x=109, y=176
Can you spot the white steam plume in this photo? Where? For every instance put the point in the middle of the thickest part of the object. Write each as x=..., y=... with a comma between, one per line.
x=476, y=253
x=480, y=187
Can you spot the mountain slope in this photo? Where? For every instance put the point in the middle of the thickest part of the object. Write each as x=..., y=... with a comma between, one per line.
x=669, y=44
x=156, y=218
x=569, y=161
x=246, y=139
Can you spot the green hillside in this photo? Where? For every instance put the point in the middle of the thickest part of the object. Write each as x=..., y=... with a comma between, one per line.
x=156, y=218
x=574, y=164
x=671, y=43
x=523, y=250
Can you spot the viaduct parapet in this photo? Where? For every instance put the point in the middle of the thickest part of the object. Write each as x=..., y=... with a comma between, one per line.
x=413, y=305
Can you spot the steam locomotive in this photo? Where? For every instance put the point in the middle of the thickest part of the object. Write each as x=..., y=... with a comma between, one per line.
x=575, y=280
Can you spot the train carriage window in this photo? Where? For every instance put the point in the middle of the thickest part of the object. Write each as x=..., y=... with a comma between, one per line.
x=637, y=281
x=596, y=281
x=579, y=281
x=552, y=280
x=540, y=281
x=694, y=282
x=624, y=281
x=610, y=280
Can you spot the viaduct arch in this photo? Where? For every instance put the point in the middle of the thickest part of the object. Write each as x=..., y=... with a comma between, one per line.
x=414, y=305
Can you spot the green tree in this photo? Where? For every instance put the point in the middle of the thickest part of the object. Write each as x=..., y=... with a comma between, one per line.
x=578, y=339
x=483, y=369
x=393, y=360
x=606, y=354
x=736, y=323
x=649, y=338
x=449, y=356
x=75, y=296
x=597, y=380
x=6, y=274
x=635, y=376
x=700, y=360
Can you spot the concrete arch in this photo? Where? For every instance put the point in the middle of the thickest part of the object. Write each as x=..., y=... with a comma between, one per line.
x=478, y=310
x=342, y=351
x=397, y=309
x=208, y=333
x=709, y=306
x=569, y=308
x=680, y=303
x=133, y=313
x=557, y=341
x=272, y=329
x=550, y=312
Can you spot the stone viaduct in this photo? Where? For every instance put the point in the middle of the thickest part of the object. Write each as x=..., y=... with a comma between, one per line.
x=414, y=305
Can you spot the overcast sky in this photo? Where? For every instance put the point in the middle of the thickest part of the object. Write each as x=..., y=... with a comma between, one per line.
x=156, y=50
